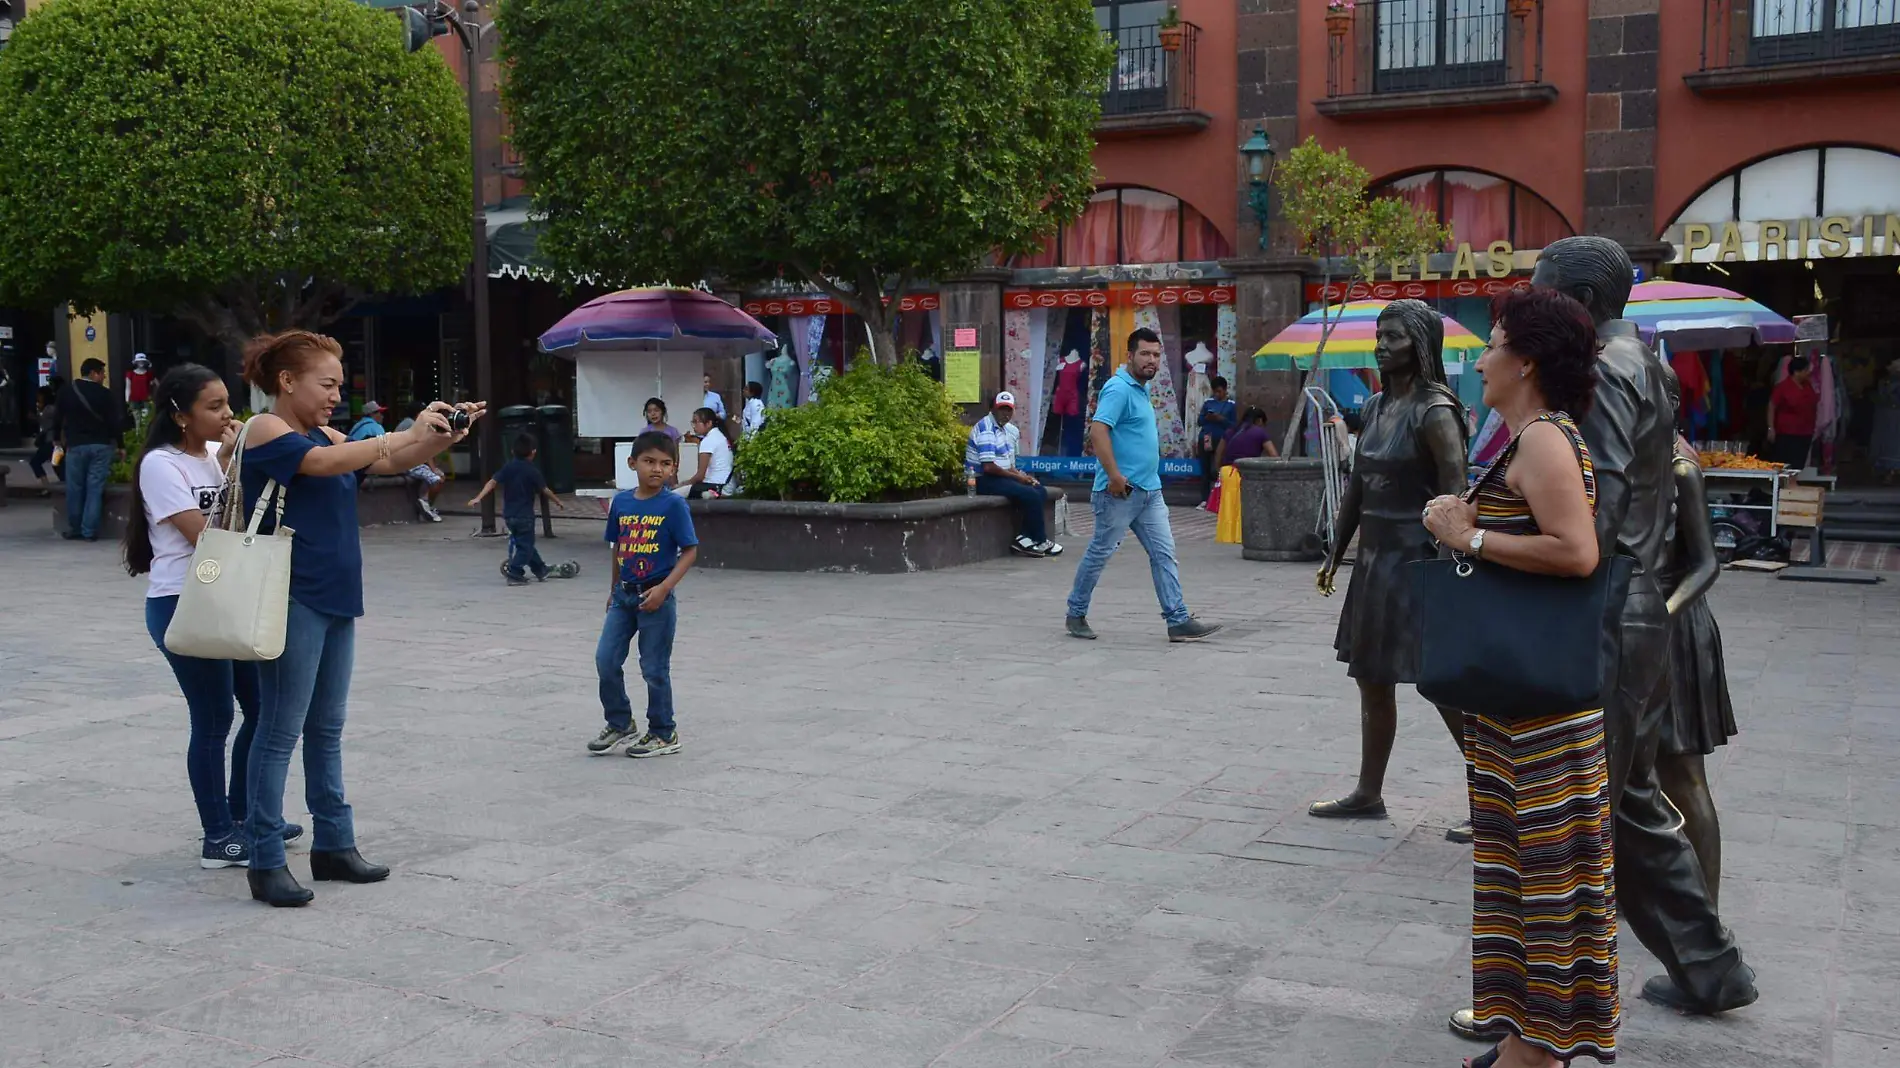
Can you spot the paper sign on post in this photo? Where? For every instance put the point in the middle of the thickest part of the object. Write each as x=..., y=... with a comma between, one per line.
x=963, y=375
x=963, y=337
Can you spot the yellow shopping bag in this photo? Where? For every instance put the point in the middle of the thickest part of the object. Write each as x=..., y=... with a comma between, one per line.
x=1227, y=527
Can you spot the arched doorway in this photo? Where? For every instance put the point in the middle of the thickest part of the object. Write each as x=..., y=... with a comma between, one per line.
x=1811, y=231
x=1131, y=225
x=1481, y=208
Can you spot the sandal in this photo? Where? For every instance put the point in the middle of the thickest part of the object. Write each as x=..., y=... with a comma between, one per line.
x=1340, y=810
x=1485, y=1059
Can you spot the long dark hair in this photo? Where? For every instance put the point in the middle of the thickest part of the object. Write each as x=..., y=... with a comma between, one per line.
x=1424, y=325
x=177, y=393
x=710, y=416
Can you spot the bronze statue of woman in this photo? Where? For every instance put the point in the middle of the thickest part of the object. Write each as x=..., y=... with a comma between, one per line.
x=1700, y=717
x=1411, y=449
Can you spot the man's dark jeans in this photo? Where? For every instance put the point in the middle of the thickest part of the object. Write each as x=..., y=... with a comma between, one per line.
x=88, y=468
x=1029, y=501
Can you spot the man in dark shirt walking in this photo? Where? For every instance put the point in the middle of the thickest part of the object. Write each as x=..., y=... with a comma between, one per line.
x=88, y=425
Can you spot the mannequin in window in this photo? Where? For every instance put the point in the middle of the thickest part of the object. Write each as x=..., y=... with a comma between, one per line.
x=1199, y=386
x=782, y=371
x=1411, y=449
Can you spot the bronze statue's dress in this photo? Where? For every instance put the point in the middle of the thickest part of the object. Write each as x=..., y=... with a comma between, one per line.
x=1377, y=637
x=1701, y=716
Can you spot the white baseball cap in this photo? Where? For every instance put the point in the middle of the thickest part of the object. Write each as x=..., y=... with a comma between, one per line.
x=1005, y=399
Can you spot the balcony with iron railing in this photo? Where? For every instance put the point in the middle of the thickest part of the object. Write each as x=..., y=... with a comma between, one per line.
x=1152, y=87
x=1757, y=44
x=1388, y=56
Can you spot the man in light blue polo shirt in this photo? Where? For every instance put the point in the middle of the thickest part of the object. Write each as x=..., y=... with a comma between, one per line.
x=1128, y=493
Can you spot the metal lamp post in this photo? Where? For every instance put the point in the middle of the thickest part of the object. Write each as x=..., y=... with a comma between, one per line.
x=1258, y=152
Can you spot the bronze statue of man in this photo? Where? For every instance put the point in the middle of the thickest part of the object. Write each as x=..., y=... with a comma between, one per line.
x=1631, y=433
x=1411, y=449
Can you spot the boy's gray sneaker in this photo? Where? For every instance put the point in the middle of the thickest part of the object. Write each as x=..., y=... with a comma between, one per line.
x=653, y=745
x=609, y=739
x=1192, y=631
x=1079, y=628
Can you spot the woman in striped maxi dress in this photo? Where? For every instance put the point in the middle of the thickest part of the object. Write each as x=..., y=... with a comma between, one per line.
x=1543, y=945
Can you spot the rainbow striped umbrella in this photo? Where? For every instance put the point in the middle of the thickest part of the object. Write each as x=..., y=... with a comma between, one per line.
x=1695, y=317
x=653, y=320
x=1350, y=347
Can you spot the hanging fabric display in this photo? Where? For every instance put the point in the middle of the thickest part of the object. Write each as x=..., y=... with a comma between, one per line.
x=1101, y=365
x=1161, y=393
x=811, y=366
x=1226, y=341
x=803, y=345
x=1016, y=354
x=1041, y=368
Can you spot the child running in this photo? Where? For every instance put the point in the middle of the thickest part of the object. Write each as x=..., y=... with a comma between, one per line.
x=651, y=532
x=521, y=485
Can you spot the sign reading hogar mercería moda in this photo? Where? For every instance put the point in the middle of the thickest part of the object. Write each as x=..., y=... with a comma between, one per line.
x=1831, y=237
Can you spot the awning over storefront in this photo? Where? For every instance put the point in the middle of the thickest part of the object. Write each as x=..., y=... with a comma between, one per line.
x=512, y=235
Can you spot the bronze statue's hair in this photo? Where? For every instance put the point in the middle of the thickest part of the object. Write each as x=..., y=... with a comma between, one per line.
x=1594, y=270
x=1422, y=323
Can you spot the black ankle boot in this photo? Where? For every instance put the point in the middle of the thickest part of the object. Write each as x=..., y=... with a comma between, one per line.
x=277, y=888
x=344, y=865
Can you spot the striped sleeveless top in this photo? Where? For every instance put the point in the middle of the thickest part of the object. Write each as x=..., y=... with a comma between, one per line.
x=1506, y=512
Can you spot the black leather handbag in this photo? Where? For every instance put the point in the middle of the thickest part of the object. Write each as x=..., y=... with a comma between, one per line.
x=1511, y=645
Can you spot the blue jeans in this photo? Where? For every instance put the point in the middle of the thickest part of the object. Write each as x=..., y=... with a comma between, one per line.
x=305, y=693
x=624, y=623
x=88, y=467
x=1029, y=500
x=209, y=687
x=523, y=557
x=1146, y=514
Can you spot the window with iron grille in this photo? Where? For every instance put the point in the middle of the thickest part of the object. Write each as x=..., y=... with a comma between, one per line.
x=1438, y=44
x=1794, y=31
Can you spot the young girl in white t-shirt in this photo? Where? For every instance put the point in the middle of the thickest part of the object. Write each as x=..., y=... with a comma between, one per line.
x=177, y=485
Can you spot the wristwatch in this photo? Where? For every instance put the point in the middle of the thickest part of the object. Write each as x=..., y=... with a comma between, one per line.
x=1477, y=544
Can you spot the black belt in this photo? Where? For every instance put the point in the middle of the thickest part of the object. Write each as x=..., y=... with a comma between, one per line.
x=637, y=588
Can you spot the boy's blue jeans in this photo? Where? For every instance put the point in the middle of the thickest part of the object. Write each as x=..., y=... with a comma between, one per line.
x=654, y=630
x=523, y=557
x=1146, y=513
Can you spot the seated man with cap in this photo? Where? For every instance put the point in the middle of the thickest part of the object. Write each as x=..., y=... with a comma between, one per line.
x=991, y=454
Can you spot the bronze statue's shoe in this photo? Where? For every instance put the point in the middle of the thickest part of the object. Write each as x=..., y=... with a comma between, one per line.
x=1738, y=991
x=1462, y=834
x=1464, y=1024
x=1344, y=809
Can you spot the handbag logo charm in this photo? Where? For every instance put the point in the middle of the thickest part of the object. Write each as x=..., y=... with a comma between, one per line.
x=209, y=570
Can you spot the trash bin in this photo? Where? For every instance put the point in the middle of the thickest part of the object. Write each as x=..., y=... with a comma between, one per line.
x=557, y=447
x=516, y=420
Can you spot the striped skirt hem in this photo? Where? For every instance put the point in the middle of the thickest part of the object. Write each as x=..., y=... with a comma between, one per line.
x=1543, y=930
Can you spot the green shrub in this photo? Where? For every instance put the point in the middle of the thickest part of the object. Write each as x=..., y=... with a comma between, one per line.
x=874, y=434
x=130, y=443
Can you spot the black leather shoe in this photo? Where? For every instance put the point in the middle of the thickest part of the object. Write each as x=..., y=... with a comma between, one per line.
x=344, y=866
x=277, y=888
x=1738, y=991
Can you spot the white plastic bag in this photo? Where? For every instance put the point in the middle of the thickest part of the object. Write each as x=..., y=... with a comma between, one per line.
x=1062, y=515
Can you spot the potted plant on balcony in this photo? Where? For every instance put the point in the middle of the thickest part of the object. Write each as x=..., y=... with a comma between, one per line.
x=1169, y=30
x=1520, y=9
x=1339, y=17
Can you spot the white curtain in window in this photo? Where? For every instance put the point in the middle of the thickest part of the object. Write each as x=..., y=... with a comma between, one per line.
x=1777, y=18
x=1856, y=14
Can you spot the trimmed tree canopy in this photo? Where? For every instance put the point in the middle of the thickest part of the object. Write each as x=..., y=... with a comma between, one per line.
x=243, y=164
x=856, y=144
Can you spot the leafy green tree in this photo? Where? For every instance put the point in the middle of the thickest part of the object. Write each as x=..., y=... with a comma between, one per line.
x=242, y=164
x=1351, y=233
x=856, y=144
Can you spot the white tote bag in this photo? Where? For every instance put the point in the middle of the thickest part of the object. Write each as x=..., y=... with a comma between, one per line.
x=237, y=593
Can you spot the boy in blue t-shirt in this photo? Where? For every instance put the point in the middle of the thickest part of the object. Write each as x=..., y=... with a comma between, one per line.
x=521, y=485
x=651, y=532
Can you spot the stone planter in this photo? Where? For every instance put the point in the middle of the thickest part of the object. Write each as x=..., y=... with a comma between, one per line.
x=877, y=539
x=1280, y=503
x=387, y=499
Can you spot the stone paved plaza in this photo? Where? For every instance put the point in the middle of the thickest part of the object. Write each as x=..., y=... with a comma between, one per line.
x=913, y=825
